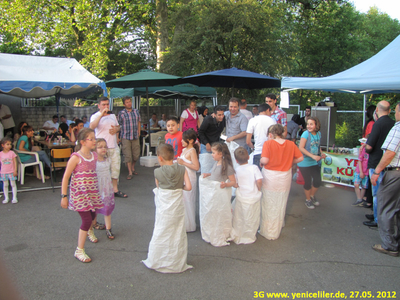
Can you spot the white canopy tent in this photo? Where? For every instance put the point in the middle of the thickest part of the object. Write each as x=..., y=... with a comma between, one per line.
x=29, y=76
x=378, y=74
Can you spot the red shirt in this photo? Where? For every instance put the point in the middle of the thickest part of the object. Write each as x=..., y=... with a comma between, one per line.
x=176, y=141
x=368, y=129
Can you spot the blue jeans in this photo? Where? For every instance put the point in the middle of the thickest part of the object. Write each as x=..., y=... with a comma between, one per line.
x=374, y=190
x=203, y=149
x=42, y=157
x=256, y=160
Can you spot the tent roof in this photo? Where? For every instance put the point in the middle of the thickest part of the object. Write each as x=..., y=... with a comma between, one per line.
x=31, y=76
x=378, y=74
x=177, y=91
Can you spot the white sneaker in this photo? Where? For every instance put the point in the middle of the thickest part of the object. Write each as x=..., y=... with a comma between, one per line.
x=309, y=204
x=14, y=201
x=314, y=201
x=5, y=201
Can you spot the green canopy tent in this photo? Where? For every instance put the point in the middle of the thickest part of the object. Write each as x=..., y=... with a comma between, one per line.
x=177, y=92
x=144, y=79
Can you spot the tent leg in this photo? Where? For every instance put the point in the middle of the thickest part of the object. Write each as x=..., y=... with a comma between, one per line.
x=58, y=103
x=364, y=109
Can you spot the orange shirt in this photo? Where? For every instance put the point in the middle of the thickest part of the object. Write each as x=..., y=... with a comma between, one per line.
x=280, y=155
x=176, y=141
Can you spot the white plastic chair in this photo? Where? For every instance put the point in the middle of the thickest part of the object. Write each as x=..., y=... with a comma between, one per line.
x=156, y=139
x=22, y=166
x=147, y=145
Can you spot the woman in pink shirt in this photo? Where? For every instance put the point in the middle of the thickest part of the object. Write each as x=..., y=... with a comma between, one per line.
x=190, y=118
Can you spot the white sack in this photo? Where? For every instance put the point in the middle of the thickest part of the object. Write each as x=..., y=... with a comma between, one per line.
x=246, y=218
x=189, y=201
x=275, y=189
x=168, y=245
x=232, y=146
x=215, y=212
x=206, y=162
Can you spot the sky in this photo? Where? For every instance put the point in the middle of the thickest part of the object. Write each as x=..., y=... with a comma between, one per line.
x=391, y=7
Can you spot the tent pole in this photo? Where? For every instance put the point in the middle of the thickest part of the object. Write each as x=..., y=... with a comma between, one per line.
x=148, y=109
x=364, y=109
x=57, y=102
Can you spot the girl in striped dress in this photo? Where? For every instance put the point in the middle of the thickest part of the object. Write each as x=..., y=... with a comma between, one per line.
x=84, y=191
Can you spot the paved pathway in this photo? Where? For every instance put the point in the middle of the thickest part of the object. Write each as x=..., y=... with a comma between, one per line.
x=326, y=249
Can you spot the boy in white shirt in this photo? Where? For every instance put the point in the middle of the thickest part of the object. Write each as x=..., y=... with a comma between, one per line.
x=246, y=214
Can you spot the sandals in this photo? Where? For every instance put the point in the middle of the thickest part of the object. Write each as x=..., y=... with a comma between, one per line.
x=91, y=236
x=129, y=177
x=99, y=226
x=120, y=194
x=110, y=234
x=81, y=255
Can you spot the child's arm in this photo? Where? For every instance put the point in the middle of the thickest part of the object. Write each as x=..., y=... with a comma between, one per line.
x=193, y=158
x=259, y=184
x=72, y=163
x=205, y=175
x=156, y=182
x=264, y=161
x=15, y=167
x=297, y=160
x=188, y=184
x=231, y=183
x=302, y=148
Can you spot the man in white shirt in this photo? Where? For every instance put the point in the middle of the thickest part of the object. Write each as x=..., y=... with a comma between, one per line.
x=259, y=127
x=243, y=110
x=51, y=125
x=105, y=125
x=7, y=119
x=163, y=122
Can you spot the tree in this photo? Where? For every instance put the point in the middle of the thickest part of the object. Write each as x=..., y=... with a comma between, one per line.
x=90, y=31
x=222, y=34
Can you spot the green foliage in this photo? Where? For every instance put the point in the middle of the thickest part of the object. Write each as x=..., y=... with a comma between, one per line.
x=348, y=129
x=223, y=34
x=90, y=31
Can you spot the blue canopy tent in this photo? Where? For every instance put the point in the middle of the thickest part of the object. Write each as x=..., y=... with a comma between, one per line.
x=377, y=75
x=28, y=76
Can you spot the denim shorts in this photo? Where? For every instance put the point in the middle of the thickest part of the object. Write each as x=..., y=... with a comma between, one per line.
x=362, y=182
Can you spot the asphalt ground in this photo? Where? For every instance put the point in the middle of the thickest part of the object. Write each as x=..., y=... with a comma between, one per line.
x=325, y=250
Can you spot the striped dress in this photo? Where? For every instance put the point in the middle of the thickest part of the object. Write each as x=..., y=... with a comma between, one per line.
x=84, y=188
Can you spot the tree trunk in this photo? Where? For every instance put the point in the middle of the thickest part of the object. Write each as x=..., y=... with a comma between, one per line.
x=162, y=29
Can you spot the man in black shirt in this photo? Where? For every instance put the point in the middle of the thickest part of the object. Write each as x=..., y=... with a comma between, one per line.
x=211, y=128
x=373, y=146
x=303, y=120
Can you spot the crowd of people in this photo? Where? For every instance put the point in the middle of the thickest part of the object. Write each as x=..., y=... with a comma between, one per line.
x=262, y=188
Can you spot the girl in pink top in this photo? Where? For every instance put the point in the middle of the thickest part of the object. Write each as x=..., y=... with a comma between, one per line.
x=84, y=195
x=190, y=118
x=8, y=169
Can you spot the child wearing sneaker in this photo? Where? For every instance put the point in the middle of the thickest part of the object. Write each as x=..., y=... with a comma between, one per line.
x=84, y=189
x=309, y=167
x=8, y=169
x=361, y=177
